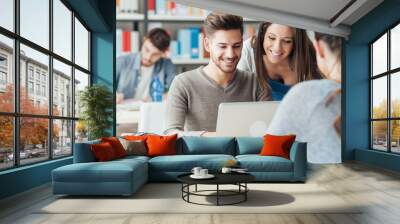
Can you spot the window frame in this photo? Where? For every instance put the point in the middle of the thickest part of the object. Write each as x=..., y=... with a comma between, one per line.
x=388, y=74
x=16, y=115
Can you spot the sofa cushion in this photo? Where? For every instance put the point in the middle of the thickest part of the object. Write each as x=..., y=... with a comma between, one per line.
x=134, y=147
x=103, y=152
x=185, y=163
x=249, y=145
x=194, y=145
x=83, y=152
x=161, y=145
x=116, y=145
x=257, y=163
x=277, y=145
x=112, y=171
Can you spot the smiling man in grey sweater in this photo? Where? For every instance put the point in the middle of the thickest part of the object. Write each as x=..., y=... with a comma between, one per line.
x=195, y=95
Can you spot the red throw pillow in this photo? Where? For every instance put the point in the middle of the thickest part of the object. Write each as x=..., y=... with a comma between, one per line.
x=103, y=152
x=116, y=145
x=161, y=145
x=136, y=137
x=275, y=145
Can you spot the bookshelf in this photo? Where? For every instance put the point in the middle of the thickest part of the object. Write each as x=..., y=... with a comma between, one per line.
x=139, y=16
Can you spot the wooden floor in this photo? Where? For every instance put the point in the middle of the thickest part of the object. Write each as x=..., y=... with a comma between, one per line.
x=377, y=188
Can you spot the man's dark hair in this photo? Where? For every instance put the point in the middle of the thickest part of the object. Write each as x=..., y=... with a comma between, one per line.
x=159, y=38
x=219, y=21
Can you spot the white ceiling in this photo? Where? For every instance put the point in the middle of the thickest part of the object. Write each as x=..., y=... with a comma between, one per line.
x=306, y=14
x=320, y=9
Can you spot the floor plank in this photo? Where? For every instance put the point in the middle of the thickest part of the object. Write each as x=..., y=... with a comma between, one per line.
x=376, y=189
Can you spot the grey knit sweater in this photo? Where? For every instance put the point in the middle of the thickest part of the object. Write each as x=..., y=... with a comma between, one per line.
x=304, y=112
x=193, y=100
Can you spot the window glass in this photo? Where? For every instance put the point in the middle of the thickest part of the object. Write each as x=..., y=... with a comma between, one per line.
x=62, y=29
x=7, y=14
x=395, y=95
x=81, y=131
x=62, y=91
x=33, y=140
x=39, y=61
x=379, y=56
x=81, y=81
x=6, y=142
x=395, y=48
x=81, y=45
x=62, y=138
x=379, y=135
x=35, y=21
x=379, y=97
x=395, y=136
x=6, y=74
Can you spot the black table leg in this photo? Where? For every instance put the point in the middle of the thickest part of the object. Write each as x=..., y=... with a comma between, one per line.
x=245, y=193
x=217, y=194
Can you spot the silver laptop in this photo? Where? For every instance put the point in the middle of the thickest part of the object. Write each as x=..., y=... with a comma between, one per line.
x=245, y=118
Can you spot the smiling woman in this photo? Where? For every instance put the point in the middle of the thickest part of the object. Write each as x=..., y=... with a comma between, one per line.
x=281, y=56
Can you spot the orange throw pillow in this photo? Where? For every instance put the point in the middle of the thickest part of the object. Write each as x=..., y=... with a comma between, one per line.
x=103, y=152
x=116, y=145
x=275, y=145
x=161, y=145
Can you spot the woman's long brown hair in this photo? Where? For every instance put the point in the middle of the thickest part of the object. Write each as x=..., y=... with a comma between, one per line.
x=302, y=60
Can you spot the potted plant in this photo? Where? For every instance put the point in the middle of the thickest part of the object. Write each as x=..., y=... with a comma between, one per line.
x=96, y=104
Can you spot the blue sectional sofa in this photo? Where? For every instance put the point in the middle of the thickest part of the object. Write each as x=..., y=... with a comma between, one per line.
x=125, y=176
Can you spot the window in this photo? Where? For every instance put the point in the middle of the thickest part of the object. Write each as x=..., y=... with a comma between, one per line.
x=7, y=14
x=37, y=75
x=3, y=71
x=385, y=94
x=7, y=88
x=30, y=87
x=30, y=72
x=81, y=45
x=3, y=78
x=44, y=91
x=38, y=89
x=45, y=131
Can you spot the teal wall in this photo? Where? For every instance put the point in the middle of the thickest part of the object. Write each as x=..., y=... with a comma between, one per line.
x=99, y=16
x=356, y=84
x=24, y=178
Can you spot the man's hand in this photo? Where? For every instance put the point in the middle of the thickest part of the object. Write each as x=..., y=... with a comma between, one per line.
x=209, y=134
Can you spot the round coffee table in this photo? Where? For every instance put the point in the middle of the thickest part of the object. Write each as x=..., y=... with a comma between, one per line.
x=238, y=179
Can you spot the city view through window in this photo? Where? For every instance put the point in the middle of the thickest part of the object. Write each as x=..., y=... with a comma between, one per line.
x=32, y=130
x=385, y=91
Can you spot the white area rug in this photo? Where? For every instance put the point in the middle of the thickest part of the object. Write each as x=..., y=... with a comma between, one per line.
x=166, y=198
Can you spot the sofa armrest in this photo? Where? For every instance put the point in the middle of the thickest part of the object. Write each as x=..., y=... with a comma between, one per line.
x=298, y=155
x=83, y=152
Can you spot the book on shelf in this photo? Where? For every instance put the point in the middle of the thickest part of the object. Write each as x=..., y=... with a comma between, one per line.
x=127, y=6
x=167, y=7
x=127, y=42
x=151, y=7
x=189, y=44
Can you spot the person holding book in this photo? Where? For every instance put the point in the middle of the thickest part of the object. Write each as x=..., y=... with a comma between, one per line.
x=280, y=56
x=311, y=109
x=146, y=75
x=194, y=96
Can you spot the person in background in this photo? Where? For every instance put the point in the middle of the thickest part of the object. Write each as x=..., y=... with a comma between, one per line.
x=194, y=96
x=146, y=75
x=311, y=109
x=280, y=56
